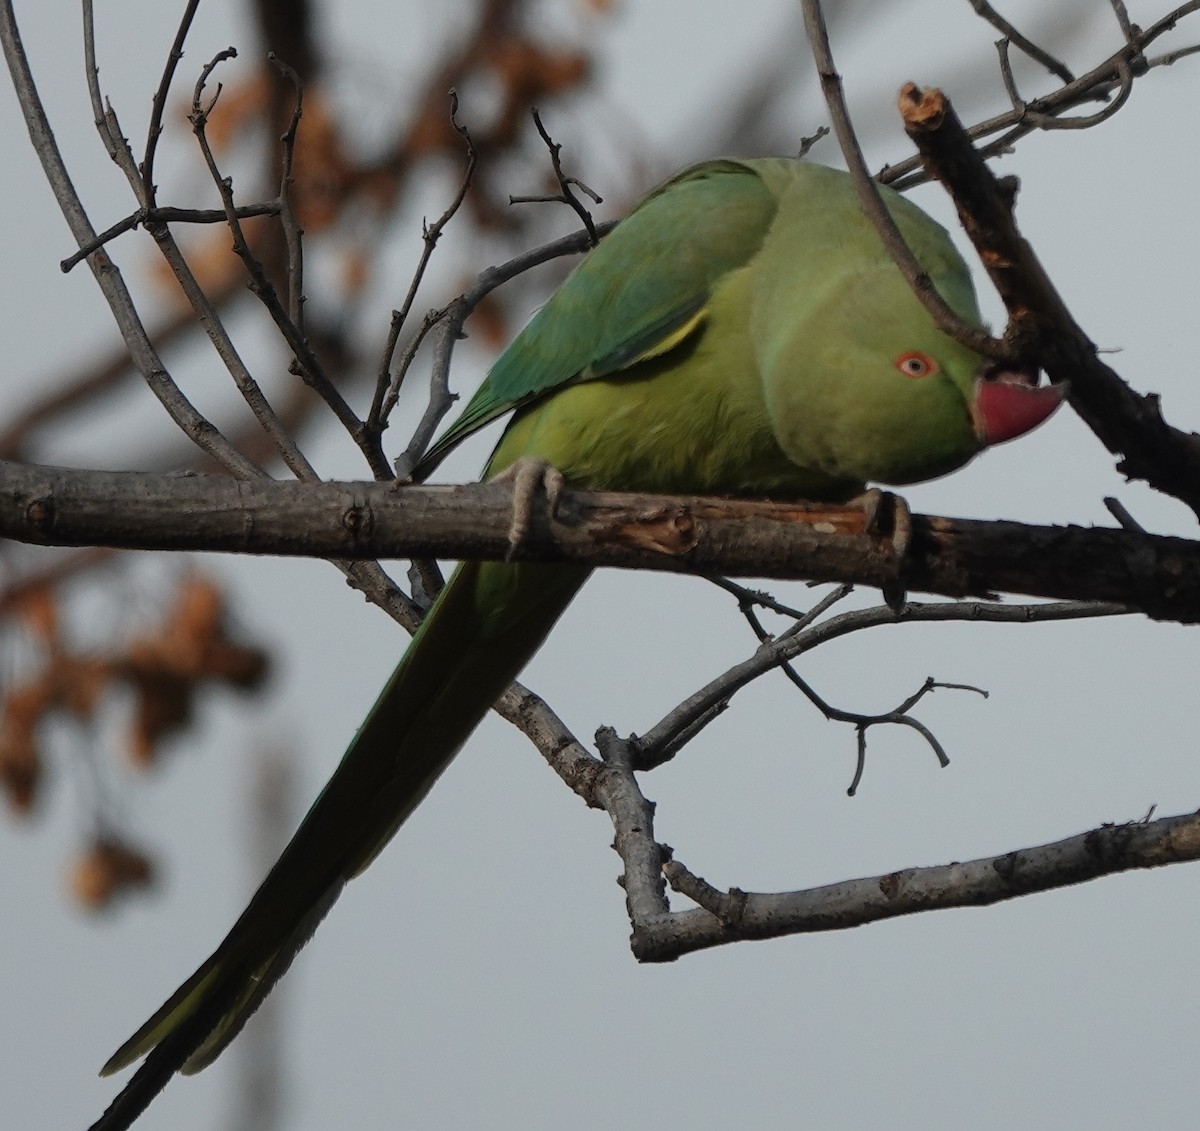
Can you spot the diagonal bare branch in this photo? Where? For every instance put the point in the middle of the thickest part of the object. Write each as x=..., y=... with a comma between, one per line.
x=108, y=277
x=918, y=279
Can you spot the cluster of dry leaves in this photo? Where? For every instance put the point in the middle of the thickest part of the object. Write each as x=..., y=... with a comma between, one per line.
x=163, y=670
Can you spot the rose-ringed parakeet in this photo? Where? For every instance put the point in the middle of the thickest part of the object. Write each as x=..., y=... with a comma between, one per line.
x=743, y=332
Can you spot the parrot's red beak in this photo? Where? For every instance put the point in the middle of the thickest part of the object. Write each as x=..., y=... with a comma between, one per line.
x=1010, y=402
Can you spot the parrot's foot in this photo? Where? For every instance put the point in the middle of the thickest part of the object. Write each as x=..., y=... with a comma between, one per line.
x=527, y=475
x=897, y=526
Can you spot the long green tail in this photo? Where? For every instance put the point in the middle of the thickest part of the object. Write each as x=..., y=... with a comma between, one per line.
x=483, y=628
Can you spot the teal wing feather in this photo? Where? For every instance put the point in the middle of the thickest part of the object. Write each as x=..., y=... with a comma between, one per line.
x=640, y=293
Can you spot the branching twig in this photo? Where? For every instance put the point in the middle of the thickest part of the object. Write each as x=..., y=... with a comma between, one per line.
x=863, y=722
x=387, y=387
x=166, y=215
x=564, y=753
x=309, y=367
x=1041, y=121
x=773, y=654
x=1104, y=851
x=566, y=186
x=449, y=322
x=200, y=302
x=1096, y=85
x=200, y=430
x=899, y=715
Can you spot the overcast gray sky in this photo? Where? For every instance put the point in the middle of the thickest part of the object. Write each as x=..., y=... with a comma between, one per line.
x=479, y=975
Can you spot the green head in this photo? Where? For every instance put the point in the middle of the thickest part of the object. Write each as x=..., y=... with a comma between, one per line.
x=859, y=383
x=864, y=387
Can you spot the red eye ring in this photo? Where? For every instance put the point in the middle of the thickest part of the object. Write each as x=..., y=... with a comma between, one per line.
x=916, y=364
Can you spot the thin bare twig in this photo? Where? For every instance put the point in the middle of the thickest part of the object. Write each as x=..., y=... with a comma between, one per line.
x=898, y=716
x=566, y=185
x=748, y=599
x=1097, y=84
x=1128, y=29
x=1169, y=57
x=165, y=215
x=105, y=116
x=1006, y=75
x=863, y=721
x=1119, y=511
x=292, y=234
x=773, y=654
x=308, y=365
x=1032, y=119
x=917, y=278
x=387, y=387
x=1006, y=29
x=200, y=430
x=161, y=95
x=449, y=322
x=806, y=143
x=205, y=310
x=1085, y=121
x=834, y=596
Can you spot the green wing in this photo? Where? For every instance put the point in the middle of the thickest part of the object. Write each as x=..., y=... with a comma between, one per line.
x=641, y=292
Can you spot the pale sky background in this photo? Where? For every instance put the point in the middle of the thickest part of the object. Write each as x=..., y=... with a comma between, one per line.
x=479, y=975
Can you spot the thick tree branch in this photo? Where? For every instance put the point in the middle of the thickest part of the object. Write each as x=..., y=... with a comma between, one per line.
x=1040, y=325
x=1156, y=575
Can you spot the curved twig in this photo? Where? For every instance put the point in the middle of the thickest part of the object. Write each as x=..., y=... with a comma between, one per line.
x=917, y=278
x=773, y=654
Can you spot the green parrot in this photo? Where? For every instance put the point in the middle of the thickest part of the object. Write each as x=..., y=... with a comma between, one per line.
x=744, y=333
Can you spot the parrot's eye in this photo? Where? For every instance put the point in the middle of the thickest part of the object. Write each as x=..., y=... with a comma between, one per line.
x=914, y=364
